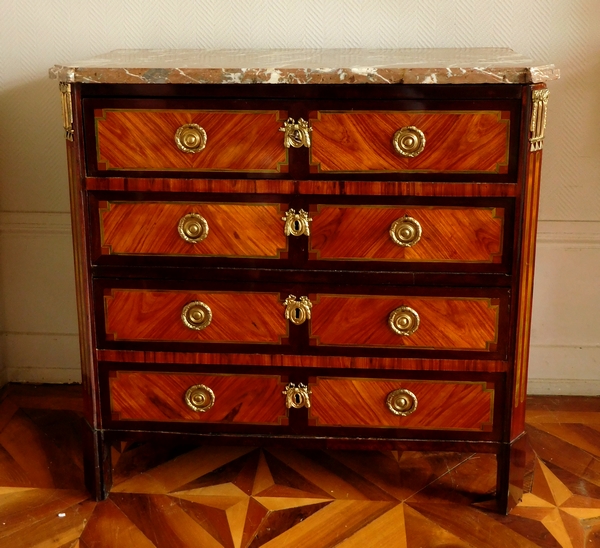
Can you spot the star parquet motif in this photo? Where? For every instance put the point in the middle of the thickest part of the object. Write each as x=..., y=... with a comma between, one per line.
x=246, y=497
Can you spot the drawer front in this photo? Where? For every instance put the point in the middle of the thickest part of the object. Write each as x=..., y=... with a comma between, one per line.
x=458, y=142
x=433, y=323
x=201, y=317
x=412, y=234
x=440, y=405
x=205, y=229
x=142, y=140
x=177, y=397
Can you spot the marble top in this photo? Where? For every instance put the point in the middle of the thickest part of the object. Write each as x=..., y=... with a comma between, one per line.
x=308, y=66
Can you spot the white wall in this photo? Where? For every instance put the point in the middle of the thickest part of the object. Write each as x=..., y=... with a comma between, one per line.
x=37, y=307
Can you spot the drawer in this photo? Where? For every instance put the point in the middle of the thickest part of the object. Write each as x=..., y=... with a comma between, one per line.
x=203, y=229
x=181, y=397
x=407, y=322
x=410, y=141
x=414, y=322
x=407, y=234
x=189, y=140
x=194, y=316
x=411, y=404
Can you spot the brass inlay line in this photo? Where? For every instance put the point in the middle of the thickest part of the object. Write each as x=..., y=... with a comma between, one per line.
x=494, y=213
x=114, y=381
x=108, y=167
x=107, y=209
x=489, y=301
x=116, y=337
x=504, y=162
x=485, y=389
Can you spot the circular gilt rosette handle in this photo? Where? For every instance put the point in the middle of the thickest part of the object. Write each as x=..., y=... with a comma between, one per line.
x=406, y=231
x=196, y=315
x=190, y=138
x=404, y=321
x=199, y=398
x=193, y=228
x=401, y=402
x=409, y=141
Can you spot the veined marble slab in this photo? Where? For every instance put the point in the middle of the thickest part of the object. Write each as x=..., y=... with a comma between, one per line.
x=308, y=66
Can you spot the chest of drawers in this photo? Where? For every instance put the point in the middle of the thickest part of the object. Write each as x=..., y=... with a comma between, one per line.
x=341, y=260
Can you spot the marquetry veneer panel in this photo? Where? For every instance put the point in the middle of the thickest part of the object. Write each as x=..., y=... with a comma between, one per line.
x=448, y=234
x=473, y=190
x=160, y=397
x=461, y=142
x=150, y=228
x=236, y=141
x=140, y=315
x=440, y=405
x=445, y=323
x=280, y=186
x=282, y=360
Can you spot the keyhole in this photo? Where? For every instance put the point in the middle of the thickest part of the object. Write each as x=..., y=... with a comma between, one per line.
x=296, y=225
x=297, y=399
x=297, y=312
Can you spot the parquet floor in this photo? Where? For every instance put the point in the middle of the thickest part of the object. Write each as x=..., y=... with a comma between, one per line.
x=248, y=497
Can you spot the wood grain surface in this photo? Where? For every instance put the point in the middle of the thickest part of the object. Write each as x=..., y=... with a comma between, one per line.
x=145, y=396
x=167, y=494
x=526, y=275
x=150, y=228
x=138, y=315
x=145, y=140
x=211, y=186
x=269, y=186
x=440, y=405
x=278, y=360
x=448, y=234
x=445, y=323
x=455, y=141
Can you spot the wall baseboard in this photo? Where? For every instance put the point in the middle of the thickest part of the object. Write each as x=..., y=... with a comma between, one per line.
x=569, y=234
x=563, y=233
x=50, y=376
x=538, y=387
x=40, y=357
x=35, y=223
x=54, y=357
x=564, y=387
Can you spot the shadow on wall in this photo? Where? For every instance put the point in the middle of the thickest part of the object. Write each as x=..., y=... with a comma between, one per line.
x=33, y=170
x=38, y=319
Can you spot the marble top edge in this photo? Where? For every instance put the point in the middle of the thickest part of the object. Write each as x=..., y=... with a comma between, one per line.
x=297, y=66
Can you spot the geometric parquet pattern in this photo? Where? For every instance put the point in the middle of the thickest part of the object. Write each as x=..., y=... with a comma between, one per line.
x=246, y=497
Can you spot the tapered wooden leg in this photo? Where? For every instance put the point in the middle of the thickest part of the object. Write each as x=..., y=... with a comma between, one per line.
x=96, y=462
x=512, y=463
